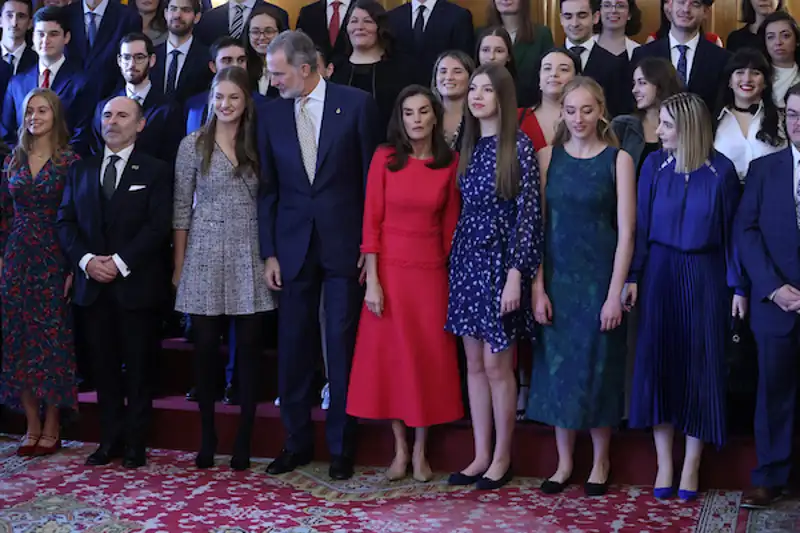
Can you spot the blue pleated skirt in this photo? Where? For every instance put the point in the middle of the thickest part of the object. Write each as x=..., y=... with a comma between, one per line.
x=679, y=372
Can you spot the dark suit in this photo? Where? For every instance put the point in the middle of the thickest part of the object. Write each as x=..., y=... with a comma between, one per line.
x=77, y=95
x=706, y=74
x=28, y=60
x=449, y=27
x=313, y=20
x=314, y=230
x=216, y=23
x=163, y=130
x=100, y=60
x=120, y=319
x=195, y=76
x=611, y=72
x=768, y=242
x=5, y=77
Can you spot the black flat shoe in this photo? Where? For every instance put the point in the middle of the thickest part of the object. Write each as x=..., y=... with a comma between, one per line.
x=459, y=479
x=553, y=487
x=288, y=461
x=240, y=463
x=595, y=489
x=486, y=483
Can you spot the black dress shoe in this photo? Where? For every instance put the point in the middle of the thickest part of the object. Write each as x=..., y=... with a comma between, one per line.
x=459, y=479
x=191, y=396
x=341, y=468
x=205, y=457
x=288, y=461
x=240, y=463
x=553, y=487
x=134, y=458
x=486, y=483
x=104, y=455
x=231, y=396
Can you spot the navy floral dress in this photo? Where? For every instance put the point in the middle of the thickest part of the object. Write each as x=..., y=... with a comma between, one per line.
x=494, y=235
x=38, y=352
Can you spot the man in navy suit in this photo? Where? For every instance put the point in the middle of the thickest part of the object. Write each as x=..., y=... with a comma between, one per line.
x=767, y=237
x=699, y=63
x=230, y=19
x=16, y=22
x=114, y=224
x=181, y=68
x=326, y=23
x=426, y=28
x=97, y=27
x=317, y=146
x=163, y=129
x=51, y=35
x=578, y=18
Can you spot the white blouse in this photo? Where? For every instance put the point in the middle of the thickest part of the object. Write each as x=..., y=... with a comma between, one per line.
x=783, y=80
x=731, y=143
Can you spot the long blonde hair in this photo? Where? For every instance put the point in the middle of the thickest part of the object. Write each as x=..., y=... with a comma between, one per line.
x=507, y=173
x=604, y=131
x=695, y=136
x=59, y=135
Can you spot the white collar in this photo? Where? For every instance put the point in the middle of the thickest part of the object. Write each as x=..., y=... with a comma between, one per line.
x=247, y=4
x=588, y=43
x=318, y=94
x=728, y=111
x=130, y=93
x=99, y=11
x=54, y=68
x=183, y=49
x=429, y=5
x=124, y=154
x=692, y=43
x=17, y=52
x=795, y=156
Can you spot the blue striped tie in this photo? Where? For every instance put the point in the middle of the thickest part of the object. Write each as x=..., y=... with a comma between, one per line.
x=683, y=75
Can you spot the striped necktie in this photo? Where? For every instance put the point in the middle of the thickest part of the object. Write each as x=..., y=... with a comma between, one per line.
x=238, y=22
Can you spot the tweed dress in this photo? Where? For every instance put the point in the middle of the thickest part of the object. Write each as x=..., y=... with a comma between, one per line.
x=223, y=273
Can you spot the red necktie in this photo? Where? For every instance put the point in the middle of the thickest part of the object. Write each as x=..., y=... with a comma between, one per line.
x=333, y=28
x=46, y=80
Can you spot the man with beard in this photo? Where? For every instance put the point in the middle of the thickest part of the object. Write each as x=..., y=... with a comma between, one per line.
x=114, y=224
x=163, y=118
x=182, y=62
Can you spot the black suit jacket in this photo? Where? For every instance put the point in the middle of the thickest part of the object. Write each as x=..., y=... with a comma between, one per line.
x=449, y=27
x=215, y=23
x=313, y=20
x=100, y=61
x=136, y=225
x=5, y=77
x=707, y=67
x=28, y=60
x=163, y=129
x=195, y=76
x=611, y=72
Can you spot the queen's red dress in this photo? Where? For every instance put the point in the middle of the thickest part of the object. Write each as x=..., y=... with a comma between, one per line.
x=405, y=365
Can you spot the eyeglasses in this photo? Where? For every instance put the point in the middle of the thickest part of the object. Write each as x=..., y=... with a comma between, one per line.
x=614, y=6
x=792, y=116
x=136, y=58
x=175, y=9
x=266, y=32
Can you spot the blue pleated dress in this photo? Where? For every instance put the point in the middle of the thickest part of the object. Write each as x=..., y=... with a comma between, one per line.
x=687, y=272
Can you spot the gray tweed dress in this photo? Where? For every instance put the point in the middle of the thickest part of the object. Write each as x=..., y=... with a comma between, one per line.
x=223, y=273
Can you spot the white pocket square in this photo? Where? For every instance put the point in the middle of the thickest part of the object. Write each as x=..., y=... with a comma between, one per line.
x=137, y=187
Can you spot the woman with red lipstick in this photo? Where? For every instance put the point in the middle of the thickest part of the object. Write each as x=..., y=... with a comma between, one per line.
x=589, y=192
x=496, y=251
x=748, y=124
x=405, y=367
x=779, y=37
x=753, y=14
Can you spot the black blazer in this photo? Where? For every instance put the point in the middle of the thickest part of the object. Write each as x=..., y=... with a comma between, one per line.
x=313, y=20
x=195, y=76
x=28, y=60
x=163, y=129
x=100, y=61
x=707, y=66
x=136, y=225
x=611, y=72
x=5, y=77
x=449, y=27
x=215, y=23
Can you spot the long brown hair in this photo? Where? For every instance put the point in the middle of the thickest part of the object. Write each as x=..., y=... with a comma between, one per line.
x=398, y=136
x=246, y=154
x=526, y=29
x=507, y=171
x=604, y=130
x=59, y=135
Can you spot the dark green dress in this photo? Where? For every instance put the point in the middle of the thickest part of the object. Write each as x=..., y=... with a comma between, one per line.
x=578, y=378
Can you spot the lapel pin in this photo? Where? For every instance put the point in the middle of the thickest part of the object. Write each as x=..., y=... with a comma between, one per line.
x=338, y=110
x=135, y=167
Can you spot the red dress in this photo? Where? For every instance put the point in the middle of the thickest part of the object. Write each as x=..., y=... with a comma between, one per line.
x=529, y=125
x=405, y=364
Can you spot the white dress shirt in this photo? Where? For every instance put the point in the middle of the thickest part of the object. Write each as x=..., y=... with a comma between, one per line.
x=426, y=16
x=124, y=155
x=741, y=149
x=99, y=13
x=184, y=51
x=54, y=68
x=345, y=4
x=588, y=45
x=16, y=53
x=795, y=170
x=248, y=6
x=131, y=92
x=782, y=80
x=675, y=54
x=314, y=106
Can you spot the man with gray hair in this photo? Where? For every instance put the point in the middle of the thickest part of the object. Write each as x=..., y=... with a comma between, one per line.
x=310, y=230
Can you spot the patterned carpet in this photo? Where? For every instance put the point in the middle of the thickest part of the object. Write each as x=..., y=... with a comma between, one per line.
x=60, y=495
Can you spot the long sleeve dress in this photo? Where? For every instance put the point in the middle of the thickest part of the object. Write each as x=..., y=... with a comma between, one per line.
x=38, y=350
x=405, y=365
x=686, y=270
x=494, y=235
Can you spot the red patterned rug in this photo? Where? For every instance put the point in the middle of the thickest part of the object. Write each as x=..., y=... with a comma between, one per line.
x=59, y=494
